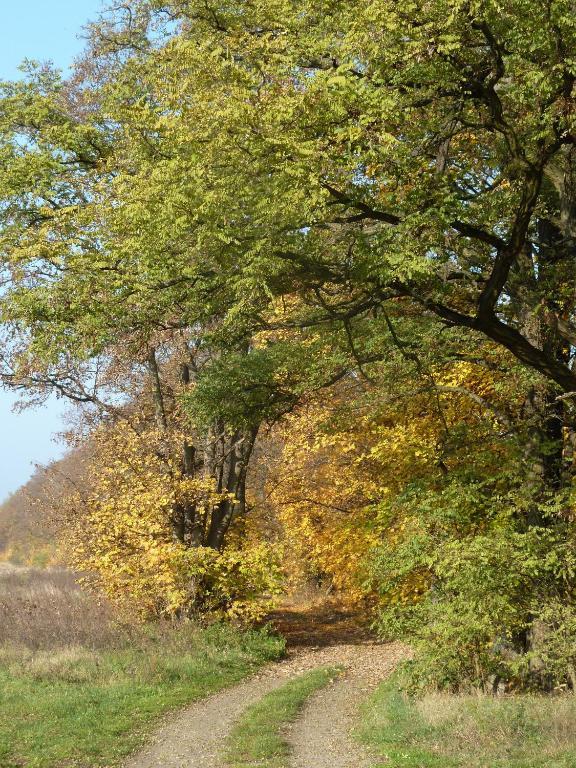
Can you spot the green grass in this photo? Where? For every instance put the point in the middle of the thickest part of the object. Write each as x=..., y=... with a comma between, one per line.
x=77, y=707
x=257, y=738
x=524, y=731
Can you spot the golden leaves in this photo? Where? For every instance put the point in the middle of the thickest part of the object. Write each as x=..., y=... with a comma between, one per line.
x=125, y=533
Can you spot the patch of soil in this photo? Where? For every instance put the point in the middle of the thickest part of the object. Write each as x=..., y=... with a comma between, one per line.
x=320, y=625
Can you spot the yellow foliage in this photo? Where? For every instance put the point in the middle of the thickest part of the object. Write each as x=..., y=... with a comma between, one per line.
x=345, y=453
x=123, y=533
x=322, y=492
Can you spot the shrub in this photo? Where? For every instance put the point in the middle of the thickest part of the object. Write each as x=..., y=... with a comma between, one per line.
x=484, y=600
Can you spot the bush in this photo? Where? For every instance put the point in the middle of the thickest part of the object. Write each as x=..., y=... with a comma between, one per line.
x=236, y=583
x=485, y=601
x=123, y=533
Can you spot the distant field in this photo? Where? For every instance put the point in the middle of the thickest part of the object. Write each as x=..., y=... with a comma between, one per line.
x=44, y=609
x=78, y=688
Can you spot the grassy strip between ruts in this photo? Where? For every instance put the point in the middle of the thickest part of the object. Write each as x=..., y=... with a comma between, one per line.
x=523, y=731
x=80, y=707
x=257, y=738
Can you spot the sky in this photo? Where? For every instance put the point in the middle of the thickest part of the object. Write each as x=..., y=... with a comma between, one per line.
x=43, y=30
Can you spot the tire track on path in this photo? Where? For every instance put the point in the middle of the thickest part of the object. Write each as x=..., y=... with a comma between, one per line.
x=322, y=737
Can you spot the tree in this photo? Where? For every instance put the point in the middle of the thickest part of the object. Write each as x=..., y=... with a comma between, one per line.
x=140, y=528
x=86, y=312
x=427, y=167
x=347, y=178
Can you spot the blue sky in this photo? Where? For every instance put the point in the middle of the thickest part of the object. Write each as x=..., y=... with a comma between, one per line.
x=42, y=30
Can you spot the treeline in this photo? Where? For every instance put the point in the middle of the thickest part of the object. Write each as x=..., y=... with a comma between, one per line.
x=28, y=524
x=310, y=272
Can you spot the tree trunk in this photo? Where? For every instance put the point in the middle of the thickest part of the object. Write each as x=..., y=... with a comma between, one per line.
x=157, y=394
x=233, y=484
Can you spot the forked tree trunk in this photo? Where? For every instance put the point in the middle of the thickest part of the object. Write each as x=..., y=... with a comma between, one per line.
x=236, y=450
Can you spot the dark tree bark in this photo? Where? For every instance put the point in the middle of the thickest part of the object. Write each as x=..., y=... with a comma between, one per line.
x=236, y=451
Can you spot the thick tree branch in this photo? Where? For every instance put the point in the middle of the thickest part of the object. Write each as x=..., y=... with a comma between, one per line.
x=368, y=212
x=507, y=255
x=492, y=327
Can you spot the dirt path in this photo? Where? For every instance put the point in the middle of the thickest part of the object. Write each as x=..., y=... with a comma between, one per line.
x=195, y=737
x=322, y=737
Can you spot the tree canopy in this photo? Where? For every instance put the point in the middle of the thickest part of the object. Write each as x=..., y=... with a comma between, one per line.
x=279, y=199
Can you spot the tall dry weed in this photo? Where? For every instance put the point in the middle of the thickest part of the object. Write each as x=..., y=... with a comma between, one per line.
x=490, y=726
x=45, y=609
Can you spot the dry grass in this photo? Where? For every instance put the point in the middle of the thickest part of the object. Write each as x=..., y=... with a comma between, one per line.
x=45, y=609
x=484, y=725
x=72, y=664
x=517, y=731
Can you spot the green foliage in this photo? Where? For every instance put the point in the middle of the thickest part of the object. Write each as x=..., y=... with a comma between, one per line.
x=122, y=217
x=466, y=580
x=558, y=644
x=262, y=384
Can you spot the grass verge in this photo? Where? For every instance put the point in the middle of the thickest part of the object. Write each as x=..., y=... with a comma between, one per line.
x=524, y=731
x=74, y=706
x=257, y=738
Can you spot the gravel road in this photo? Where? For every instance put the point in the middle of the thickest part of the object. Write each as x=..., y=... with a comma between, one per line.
x=194, y=738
